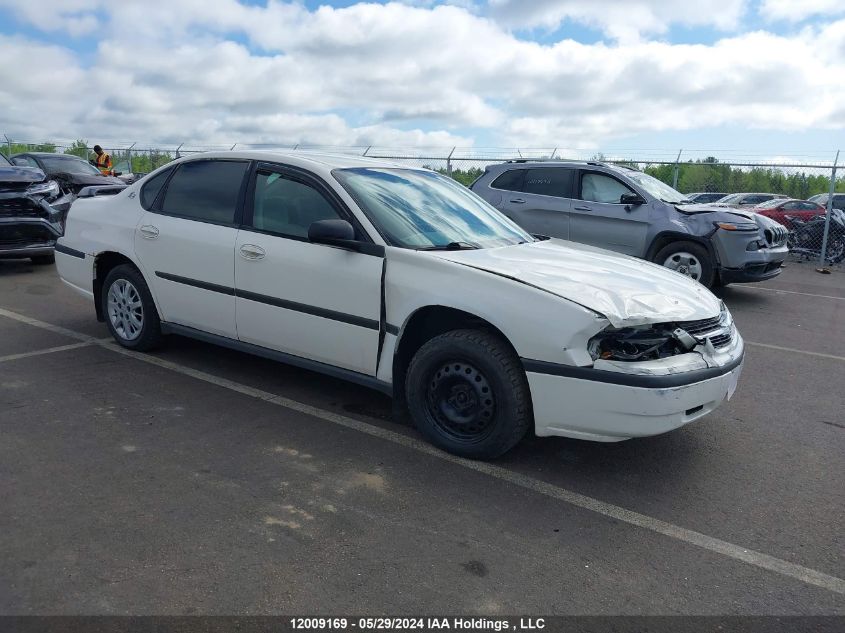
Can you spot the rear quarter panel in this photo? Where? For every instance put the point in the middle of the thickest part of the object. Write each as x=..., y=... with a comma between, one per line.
x=94, y=226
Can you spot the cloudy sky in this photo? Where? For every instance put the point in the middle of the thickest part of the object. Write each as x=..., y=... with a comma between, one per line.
x=745, y=76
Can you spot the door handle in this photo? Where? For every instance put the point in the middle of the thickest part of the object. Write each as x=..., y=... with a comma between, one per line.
x=149, y=232
x=252, y=252
x=583, y=209
x=518, y=201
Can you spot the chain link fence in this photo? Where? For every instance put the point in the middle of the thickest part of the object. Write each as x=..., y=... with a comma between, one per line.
x=810, y=190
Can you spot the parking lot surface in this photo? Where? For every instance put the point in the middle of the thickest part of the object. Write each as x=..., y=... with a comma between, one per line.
x=198, y=480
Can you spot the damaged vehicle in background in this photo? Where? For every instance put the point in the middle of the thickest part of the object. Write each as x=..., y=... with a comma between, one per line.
x=71, y=172
x=32, y=211
x=625, y=210
x=402, y=280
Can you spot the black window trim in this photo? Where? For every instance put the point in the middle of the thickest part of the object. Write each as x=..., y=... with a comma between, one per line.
x=583, y=172
x=309, y=179
x=521, y=171
x=168, y=172
x=239, y=207
x=544, y=195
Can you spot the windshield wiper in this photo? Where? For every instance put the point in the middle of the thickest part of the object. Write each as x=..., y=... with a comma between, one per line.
x=451, y=246
x=681, y=201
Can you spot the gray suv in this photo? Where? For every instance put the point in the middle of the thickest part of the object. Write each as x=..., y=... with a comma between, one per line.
x=625, y=210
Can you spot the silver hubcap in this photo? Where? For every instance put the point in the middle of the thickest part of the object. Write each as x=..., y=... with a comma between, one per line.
x=126, y=312
x=684, y=263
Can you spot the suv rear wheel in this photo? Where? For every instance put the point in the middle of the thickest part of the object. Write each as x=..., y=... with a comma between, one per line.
x=467, y=394
x=687, y=258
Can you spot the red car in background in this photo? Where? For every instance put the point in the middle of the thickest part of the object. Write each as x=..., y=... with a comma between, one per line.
x=777, y=210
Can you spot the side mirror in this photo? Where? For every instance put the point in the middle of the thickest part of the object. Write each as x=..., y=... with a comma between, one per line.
x=331, y=232
x=631, y=198
x=340, y=233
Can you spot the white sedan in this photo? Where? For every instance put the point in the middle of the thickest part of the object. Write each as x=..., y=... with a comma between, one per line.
x=402, y=280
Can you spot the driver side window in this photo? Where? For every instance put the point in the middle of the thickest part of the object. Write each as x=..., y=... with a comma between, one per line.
x=602, y=188
x=288, y=207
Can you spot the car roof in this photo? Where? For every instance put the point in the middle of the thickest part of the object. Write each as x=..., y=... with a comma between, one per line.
x=303, y=158
x=49, y=155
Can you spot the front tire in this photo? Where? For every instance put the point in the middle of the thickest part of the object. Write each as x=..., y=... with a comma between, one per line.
x=689, y=259
x=130, y=312
x=467, y=394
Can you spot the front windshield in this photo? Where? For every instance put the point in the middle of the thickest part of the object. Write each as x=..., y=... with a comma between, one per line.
x=5, y=160
x=68, y=166
x=424, y=210
x=657, y=188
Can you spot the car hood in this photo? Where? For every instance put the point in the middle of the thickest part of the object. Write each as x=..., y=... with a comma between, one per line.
x=625, y=290
x=15, y=174
x=85, y=180
x=710, y=207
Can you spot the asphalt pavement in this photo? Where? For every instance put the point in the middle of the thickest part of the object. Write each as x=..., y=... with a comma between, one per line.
x=199, y=480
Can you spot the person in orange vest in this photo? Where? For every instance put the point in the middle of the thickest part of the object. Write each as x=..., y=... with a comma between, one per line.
x=103, y=161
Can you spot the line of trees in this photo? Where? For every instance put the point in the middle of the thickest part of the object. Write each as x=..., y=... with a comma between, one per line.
x=711, y=175
x=142, y=162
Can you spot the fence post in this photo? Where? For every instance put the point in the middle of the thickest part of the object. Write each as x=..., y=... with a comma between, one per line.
x=449, y=162
x=675, y=173
x=9, y=141
x=129, y=157
x=829, y=208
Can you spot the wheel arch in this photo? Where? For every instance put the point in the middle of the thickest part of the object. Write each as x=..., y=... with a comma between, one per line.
x=424, y=324
x=665, y=238
x=104, y=263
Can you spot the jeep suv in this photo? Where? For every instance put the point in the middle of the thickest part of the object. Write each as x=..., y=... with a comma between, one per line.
x=625, y=210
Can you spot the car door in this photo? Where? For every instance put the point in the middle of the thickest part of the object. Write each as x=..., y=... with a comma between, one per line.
x=185, y=242
x=542, y=202
x=599, y=218
x=310, y=300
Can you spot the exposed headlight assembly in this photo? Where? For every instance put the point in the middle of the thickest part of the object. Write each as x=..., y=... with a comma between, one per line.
x=647, y=342
x=49, y=189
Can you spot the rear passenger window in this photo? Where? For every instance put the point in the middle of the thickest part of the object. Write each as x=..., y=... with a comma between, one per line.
x=205, y=190
x=150, y=189
x=549, y=181
x=510, y=180
x=288, y=207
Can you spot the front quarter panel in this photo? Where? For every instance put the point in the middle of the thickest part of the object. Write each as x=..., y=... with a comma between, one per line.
x=538, y=324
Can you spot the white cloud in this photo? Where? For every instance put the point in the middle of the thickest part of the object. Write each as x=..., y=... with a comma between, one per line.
x=398, y=74
x=620, y=19
x=798, y=10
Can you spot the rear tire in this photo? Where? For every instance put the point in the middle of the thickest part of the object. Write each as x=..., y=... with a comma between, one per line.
x=689, y=259
x=467, y=394
x=43, y=260
x=129, y=310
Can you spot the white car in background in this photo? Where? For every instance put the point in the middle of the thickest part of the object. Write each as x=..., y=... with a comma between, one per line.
x=400, y=279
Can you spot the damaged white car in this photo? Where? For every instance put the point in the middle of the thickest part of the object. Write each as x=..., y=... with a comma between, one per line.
x=402, y=280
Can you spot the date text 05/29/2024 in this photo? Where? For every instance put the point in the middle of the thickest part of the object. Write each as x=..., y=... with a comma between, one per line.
x=417, y=624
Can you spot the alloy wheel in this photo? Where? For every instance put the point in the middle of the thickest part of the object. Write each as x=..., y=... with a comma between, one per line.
x=125, y=310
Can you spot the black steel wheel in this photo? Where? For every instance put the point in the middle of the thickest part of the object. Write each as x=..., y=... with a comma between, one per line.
x=467, y=393
x=460, y=401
